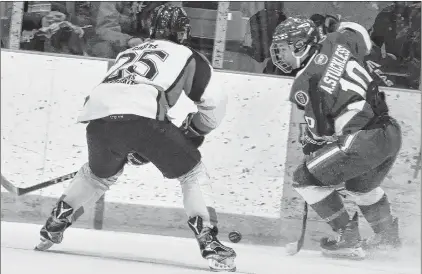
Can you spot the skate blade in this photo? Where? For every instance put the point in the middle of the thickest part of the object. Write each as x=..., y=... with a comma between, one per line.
x=44, y=245
x=224, y=265
x=345, y=253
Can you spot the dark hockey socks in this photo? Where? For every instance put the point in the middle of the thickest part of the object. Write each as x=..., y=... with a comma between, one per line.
x=378, y=215
x=332, y=210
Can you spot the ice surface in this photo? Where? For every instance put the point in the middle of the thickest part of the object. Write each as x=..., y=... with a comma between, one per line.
x=92, y=251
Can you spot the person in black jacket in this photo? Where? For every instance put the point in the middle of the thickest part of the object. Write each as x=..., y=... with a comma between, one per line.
x=398, y=28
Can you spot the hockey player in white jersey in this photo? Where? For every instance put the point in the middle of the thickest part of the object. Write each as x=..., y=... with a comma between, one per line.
x=127, y=122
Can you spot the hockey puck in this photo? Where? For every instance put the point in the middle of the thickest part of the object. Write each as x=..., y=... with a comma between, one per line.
x=235, y=236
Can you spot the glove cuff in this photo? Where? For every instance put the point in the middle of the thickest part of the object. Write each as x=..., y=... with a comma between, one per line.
x=189, y=129
x=313, y=141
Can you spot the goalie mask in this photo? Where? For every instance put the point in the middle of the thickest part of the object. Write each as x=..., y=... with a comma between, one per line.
x=291, y=43
x=169, y=23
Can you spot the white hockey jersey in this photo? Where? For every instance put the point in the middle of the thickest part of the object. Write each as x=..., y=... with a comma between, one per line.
x=147, y=80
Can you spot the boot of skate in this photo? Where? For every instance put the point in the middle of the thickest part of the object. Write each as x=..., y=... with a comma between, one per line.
x=219, y=256
x=52, y=232
x=383, y=223
x=347, y=244
x=386, y=239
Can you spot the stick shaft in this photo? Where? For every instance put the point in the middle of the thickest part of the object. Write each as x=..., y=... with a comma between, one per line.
x=303, y=230
x=21, y=191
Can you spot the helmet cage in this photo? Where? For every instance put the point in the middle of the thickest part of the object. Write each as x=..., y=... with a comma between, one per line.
x=298, y=51
x=292, y=41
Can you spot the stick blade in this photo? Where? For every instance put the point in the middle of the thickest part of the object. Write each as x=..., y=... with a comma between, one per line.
x=292, y=248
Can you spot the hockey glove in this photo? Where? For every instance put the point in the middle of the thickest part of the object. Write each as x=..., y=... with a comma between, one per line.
x=135, y=159
x=309, y=144
x=190, y=132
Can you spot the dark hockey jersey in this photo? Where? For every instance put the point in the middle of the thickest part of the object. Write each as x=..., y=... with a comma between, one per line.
x=332, y=87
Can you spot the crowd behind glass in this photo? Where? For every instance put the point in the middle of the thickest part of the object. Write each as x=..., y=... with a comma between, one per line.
x=103, y=29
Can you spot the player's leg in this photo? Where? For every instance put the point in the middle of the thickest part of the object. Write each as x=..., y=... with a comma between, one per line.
x=338, y=162
x=175, y=156
x=106, y=160
x=328, y=204
x=365, y=190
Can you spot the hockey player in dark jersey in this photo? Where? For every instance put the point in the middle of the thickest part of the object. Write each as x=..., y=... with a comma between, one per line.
x=128, y=122
x=350, y=136
x=328, y=24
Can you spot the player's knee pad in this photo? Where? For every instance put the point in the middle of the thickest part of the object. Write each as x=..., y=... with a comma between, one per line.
x=314, y=194
x=197, y=192
x=366, y=198
x=86, y=188
x=302, y=177
x=99, y=182
x=198, y=172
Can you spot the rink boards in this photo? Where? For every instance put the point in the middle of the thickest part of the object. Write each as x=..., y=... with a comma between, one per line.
x=250, y=157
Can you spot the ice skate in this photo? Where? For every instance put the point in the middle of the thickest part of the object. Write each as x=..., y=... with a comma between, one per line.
x=219, y=256
x=348, y=243
x=386, y=239
x=52, y=232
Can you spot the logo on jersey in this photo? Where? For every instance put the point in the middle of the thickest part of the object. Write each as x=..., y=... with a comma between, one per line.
x=335, y=69
x=321, y=59
x=301, y=98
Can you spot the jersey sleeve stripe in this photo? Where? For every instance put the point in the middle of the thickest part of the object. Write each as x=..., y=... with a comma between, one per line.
x=356, y=116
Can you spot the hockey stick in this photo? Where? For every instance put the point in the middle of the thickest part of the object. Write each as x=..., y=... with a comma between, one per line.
x=18, y=191
x=295, y=247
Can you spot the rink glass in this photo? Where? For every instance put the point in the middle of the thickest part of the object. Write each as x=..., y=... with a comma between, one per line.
x=234, y=36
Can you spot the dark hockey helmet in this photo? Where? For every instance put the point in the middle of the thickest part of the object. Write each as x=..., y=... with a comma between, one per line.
x=169, y=23
x=291, y=43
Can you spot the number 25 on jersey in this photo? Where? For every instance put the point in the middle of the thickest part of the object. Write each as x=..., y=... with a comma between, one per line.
x=136, y=64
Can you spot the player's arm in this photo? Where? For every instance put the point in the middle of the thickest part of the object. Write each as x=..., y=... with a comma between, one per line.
x=305, y=96
x=207, y=94
x=319, y=126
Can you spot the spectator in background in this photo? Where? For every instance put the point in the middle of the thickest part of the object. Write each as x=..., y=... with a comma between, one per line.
x=5, y=16
x=118, y=26
x=398, y=29
x=84, y=13
x=262, y=26
x=49, y=30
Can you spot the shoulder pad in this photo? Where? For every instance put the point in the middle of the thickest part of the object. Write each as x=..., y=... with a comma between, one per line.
x=358, y=29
